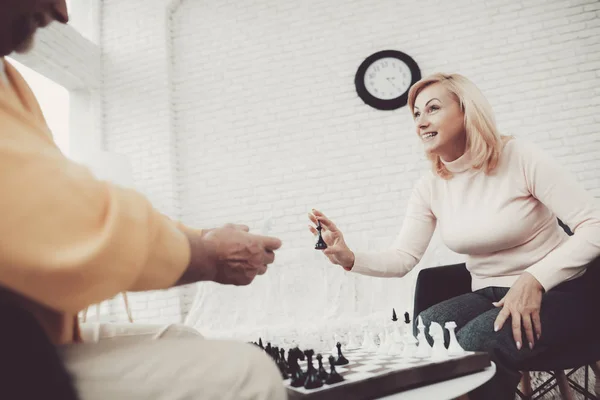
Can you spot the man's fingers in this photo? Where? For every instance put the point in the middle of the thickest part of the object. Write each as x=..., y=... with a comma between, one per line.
x=269, y=257
x=516, y=329
x=528, y=327
x=270, y=243
x=261, y=270
x=239, y=227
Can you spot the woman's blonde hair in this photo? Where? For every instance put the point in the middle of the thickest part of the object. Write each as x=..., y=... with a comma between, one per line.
x=484, y=141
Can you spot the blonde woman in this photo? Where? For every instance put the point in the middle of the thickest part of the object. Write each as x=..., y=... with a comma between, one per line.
x=495, y=199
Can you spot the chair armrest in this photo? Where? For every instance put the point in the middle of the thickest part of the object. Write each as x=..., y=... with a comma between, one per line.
x=437, y=284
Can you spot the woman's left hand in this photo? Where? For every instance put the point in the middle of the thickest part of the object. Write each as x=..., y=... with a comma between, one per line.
x=522, y=302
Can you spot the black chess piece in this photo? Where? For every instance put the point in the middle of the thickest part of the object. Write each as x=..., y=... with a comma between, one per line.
x=394, y=317
x=321, y=371
x=283, y=366
x=406, y=318
x=268, y=348
x=341, y=360
x=321, y=245
x=260, y=343
x=298, y=376
x=312, y=380
x=333, y=377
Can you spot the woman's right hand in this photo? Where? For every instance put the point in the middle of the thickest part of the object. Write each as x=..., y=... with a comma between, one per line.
x=337, y=251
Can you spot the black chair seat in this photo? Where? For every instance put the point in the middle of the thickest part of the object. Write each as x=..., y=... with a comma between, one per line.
x=437, y=284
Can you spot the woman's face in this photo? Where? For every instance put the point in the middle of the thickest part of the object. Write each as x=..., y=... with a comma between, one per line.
x=439, y=122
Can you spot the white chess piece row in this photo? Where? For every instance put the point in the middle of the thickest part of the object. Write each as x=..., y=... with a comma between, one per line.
x=419, y=348
x=406, y=345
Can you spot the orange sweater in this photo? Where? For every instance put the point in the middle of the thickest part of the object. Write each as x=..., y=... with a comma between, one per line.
x=67, y=239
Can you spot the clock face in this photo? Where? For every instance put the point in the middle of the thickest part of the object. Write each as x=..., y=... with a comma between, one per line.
x=384, y=78
x=387, y=78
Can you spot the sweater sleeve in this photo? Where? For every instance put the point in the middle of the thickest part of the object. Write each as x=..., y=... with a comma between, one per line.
x=68, y=239
x=558, y=190
x=410, y=244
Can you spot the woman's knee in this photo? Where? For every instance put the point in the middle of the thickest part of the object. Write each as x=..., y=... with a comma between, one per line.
x=478, y=335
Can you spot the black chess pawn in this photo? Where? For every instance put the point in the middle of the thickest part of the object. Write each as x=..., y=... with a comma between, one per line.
x=321, y=370
x=282, y=364
x=298, y=376
x=333, y=377
x=321, y=245
x=341, y=360
x=394, y=317
x=312, y=380
x=268, y=348
x=406, y=318
x=260, y=343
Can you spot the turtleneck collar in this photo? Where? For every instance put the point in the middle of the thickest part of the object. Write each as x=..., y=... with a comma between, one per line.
x=461, y=164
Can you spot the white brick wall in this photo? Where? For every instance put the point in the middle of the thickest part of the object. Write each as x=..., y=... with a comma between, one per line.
x=268, y=124
x=65, y=56
x=136, y=122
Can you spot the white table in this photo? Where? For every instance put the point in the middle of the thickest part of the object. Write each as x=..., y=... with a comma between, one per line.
x=446, y=390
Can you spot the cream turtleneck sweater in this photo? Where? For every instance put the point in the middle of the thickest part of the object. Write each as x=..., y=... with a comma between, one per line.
x=505, y=223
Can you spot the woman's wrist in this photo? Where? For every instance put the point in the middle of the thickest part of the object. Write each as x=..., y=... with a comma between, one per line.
x=349, y=261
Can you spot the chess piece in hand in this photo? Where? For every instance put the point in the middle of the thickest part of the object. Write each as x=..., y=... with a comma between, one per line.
x=337, y=251
x=229, y=255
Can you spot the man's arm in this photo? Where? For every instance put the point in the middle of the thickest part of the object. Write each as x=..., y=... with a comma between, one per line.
x=68, y=240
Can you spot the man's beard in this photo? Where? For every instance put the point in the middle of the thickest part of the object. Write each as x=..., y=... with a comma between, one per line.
x=23, y=34
x=25, y=46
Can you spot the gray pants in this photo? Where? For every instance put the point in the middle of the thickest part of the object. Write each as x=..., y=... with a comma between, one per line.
x=566, y=315
x=172, y=364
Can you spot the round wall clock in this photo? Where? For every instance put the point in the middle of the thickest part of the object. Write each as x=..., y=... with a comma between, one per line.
x=384, y=78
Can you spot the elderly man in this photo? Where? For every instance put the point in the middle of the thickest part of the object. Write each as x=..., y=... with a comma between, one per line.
x=70, y=240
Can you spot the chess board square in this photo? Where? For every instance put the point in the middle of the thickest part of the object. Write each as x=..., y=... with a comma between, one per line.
x=365, y=368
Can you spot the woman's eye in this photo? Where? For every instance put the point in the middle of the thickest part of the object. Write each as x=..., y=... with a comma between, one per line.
x=434, y=108
x=417, y=114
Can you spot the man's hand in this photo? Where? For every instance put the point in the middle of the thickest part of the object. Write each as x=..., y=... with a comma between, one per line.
x=522, y=303
x=228, y=255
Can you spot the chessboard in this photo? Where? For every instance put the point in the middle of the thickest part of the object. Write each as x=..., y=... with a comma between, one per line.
x=369, y=375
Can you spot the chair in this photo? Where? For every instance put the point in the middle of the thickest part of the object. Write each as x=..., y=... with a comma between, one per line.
x=432, y=287
x=30, y=364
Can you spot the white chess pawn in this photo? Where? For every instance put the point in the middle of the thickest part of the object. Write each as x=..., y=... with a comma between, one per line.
x=410, y=346
x=454, y=348
x=395, y=347
x=352, y=344
x=398, y=331
x=384, y=344
x=336, y=339
x=424, y=349
x=367, y=343
x=438, y=351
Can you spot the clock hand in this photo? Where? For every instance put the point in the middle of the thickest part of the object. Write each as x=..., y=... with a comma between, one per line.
x=392, y=83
